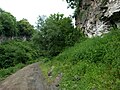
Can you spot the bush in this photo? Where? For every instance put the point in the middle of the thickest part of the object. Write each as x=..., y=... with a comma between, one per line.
x=6, y=72
x=15, y=52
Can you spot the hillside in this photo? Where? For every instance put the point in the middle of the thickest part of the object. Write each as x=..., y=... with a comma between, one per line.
x=93, y=64
x=81, y=57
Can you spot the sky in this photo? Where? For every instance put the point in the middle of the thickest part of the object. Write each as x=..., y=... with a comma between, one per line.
x=31, y=9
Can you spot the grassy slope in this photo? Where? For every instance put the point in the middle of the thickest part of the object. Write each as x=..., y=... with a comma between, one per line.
x=91, y=65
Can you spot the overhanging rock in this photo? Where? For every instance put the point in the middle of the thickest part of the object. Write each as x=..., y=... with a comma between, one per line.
x=99, y=17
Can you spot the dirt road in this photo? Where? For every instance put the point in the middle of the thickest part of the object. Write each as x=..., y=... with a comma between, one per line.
x=28, y=78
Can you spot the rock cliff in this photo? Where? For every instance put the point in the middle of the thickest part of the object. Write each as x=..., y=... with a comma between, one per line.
x=96, y=17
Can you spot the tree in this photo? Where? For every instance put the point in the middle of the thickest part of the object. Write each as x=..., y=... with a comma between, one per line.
x=8, y=24
x=74, y=3
x=40, y=22
x=25, y=29
x=1, y=29
x=56, y=33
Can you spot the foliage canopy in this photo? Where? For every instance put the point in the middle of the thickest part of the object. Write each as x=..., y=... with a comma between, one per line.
x=25, y=28
x=55, y=33
x=8, y=24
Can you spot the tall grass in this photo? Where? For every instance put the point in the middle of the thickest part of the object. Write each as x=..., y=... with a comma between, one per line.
x=91, y=65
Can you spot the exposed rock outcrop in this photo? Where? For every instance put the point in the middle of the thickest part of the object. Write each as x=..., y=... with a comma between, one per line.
x=96, y=17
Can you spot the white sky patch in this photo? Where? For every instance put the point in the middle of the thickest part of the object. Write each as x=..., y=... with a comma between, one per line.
x=30, y=9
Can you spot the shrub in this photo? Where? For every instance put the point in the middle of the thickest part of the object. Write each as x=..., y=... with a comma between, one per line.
x=8, y=71
x=15, y=52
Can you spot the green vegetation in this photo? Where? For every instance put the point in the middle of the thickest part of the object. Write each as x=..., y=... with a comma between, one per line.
x=54, y=34
x=74, y=3
x=92, y=64
x=85, y=64
x=14, y=55
x=15, y=52
x=26, y=30
x=8, y=71
x=10, y=28
x=21, y=44
x=8, y=24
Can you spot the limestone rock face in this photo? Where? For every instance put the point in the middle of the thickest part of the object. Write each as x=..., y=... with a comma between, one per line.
x=96, y=17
